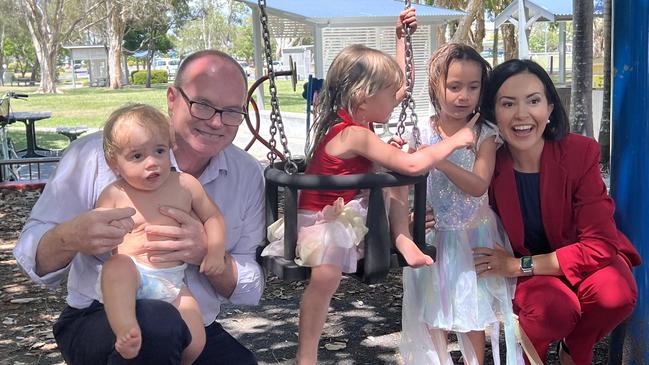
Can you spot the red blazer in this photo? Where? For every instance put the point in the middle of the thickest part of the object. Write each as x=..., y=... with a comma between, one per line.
x=576, y=211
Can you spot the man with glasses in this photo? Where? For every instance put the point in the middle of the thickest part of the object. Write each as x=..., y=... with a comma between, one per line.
x=65, y=236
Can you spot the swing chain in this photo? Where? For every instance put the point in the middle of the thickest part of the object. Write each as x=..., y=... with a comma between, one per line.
x=276, y=124
x=408, y=102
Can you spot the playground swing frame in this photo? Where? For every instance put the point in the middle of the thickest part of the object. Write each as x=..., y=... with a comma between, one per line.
x=288, y=174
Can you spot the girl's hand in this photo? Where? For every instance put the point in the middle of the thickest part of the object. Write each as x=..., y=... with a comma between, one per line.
x=494, y=262
x=397, y=142
x=465, y=137
x=407, y=17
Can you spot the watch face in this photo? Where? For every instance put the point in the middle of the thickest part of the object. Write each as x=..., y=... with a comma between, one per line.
x=526, y=262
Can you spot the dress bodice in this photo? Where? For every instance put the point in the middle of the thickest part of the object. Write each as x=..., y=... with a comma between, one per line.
x=452, y=207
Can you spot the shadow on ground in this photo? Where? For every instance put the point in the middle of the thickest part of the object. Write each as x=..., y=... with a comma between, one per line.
x=362, y=328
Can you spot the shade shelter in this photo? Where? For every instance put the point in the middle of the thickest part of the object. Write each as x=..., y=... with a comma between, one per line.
x=97, y=57
x=335, y=24
x=532, y=11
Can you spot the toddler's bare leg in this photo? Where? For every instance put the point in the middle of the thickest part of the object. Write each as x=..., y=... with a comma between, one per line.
x=119, y=282
x=191, y=313
x=313, y=311
x=477, y=339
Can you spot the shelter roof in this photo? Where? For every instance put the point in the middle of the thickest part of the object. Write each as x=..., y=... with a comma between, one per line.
x=357, y=12
x=546, y=10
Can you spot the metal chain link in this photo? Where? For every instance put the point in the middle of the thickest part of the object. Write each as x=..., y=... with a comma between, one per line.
x=408, y=102
x=276, y=123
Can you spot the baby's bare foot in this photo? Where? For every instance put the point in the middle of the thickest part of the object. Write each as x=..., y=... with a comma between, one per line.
x=128, y=345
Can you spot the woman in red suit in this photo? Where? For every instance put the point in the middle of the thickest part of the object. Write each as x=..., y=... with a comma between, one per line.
x=573, y=266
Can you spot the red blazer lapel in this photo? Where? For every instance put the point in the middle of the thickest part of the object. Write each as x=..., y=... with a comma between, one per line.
x=506, y=196
x=554, y=184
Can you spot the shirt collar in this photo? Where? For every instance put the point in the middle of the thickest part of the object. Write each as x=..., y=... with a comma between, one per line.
x=218, y=165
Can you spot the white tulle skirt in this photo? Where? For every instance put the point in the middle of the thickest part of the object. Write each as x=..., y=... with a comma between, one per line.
x=448, y=296
x=332, y=236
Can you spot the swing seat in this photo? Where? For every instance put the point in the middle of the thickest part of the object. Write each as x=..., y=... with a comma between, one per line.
x=379, y=253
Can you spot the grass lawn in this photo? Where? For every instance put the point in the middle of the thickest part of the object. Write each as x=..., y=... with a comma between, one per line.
x=91, y=106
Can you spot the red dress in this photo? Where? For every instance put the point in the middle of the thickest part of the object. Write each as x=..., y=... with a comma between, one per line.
x=323, y=163
x=331, y=224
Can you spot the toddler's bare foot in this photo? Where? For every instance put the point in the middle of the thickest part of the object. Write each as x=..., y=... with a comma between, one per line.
x=128, y=344
x=413, y=255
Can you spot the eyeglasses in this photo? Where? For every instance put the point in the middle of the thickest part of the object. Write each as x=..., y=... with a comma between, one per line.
x=199, y=110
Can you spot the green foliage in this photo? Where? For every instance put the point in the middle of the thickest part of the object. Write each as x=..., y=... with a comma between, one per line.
x=19, y=48
x=157, y=77
x=91, y=106
x=542, y=36
x=242, y=45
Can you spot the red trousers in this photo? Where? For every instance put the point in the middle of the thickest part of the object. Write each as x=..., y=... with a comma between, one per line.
x=550, y=309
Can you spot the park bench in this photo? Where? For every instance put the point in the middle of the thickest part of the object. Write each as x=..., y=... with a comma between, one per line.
x=26, y=81
x=72, y=132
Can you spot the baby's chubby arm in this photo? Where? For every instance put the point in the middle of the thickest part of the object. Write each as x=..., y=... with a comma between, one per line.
x=209, y=213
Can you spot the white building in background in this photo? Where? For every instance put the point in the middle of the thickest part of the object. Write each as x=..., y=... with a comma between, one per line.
x=335, y=24
x=302, y=56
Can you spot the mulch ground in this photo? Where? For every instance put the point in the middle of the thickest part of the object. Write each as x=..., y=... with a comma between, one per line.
x=362, y=328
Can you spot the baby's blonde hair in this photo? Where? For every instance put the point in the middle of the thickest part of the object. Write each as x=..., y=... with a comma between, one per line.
x=356, y=74
x=126, y=117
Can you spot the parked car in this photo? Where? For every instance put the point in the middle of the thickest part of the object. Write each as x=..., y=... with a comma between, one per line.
x=168, y=64
x=245, y=67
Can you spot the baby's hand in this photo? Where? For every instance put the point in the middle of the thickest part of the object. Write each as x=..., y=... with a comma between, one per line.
x=213, y=264
x=409, y=18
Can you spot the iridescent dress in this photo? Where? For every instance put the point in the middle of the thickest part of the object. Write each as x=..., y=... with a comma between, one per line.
x=448, y=296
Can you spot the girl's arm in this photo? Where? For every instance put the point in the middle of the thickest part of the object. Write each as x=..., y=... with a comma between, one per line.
x=214, y=261
x=406, y=17
x=476, y=182
x=361, y=141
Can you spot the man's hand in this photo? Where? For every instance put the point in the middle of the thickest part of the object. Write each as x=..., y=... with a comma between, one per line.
x=97, y=231
x=185, y=243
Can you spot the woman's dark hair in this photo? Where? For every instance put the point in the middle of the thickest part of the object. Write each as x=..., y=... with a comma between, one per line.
x=558, y=126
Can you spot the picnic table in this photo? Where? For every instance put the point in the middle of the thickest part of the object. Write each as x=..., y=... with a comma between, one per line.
x=30, y=119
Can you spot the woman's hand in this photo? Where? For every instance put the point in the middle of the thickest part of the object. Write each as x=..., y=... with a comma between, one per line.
x=495, y=262
x=187, y=243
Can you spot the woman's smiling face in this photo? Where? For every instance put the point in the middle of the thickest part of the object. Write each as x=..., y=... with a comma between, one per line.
x=522, y=111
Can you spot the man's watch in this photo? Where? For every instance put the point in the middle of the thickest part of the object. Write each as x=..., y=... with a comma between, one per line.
x=527, y=266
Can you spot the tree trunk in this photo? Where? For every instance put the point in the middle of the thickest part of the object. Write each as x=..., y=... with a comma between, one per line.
x=462, y=31
x=116, y=26
x=441, y=29
x=2, y=54
x=605, y=126
x=494, y=48
x=47, y=59
x=479, y=30
x=149, y=60
x=45, y=37
x=581, y=95
x=509, y=41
